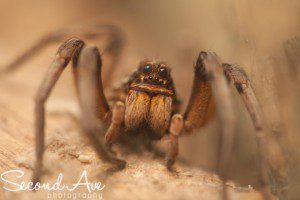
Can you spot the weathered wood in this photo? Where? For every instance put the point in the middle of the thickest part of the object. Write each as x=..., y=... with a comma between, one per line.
x=145, y=175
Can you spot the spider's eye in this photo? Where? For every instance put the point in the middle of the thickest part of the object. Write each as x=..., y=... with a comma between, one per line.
x=163, y=72
x=147, y=69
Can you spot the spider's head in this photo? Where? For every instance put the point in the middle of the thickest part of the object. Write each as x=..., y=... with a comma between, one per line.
x=153, y=77
x=154, y=73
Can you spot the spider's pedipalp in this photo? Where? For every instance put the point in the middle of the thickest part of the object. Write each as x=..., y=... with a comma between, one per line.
x=175, y=130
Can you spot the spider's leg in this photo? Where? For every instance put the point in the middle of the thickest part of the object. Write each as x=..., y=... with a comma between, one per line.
x=90, y=93
x=175, y=130
x=244, y=88
x=61, y=60
x=210, y=81
x=201, y=106
x=114, y=45
x=94, y=107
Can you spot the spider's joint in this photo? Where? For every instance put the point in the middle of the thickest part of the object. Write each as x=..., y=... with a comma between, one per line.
x=241, y=87
x=188, y=127
x=177, y=122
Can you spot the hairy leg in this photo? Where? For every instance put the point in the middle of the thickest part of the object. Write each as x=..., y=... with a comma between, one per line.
x=211, y=91
x=224, y=106
x=201, y=106
x=95, y=110
x=244, y=88
x=90, y=93
x=61, y=60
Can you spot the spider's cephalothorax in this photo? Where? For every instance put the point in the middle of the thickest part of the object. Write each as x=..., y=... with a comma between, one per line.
x=149, y=99
x=147, y=102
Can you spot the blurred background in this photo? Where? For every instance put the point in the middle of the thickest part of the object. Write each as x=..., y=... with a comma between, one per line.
x=251, y=33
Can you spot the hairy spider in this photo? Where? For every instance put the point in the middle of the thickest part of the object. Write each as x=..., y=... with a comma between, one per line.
x=146, y=102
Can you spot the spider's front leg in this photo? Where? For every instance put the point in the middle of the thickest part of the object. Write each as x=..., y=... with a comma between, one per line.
x=211, y=90
x=210, y=82
x=94, y=107
x=200, y=109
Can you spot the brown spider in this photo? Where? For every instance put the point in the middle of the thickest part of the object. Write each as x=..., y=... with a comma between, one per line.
x=147, y=102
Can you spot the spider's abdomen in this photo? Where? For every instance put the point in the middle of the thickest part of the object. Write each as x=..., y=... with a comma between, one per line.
x=151, y=113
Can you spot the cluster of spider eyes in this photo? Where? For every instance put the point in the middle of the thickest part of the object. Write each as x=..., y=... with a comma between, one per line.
x=163, y=72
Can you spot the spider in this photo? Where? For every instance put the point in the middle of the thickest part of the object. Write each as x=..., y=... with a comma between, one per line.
x=146, y=102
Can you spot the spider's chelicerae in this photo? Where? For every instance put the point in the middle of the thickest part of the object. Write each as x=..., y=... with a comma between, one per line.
x=147, y=102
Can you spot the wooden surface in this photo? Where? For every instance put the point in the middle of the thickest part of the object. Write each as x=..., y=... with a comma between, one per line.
x=145, y=177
